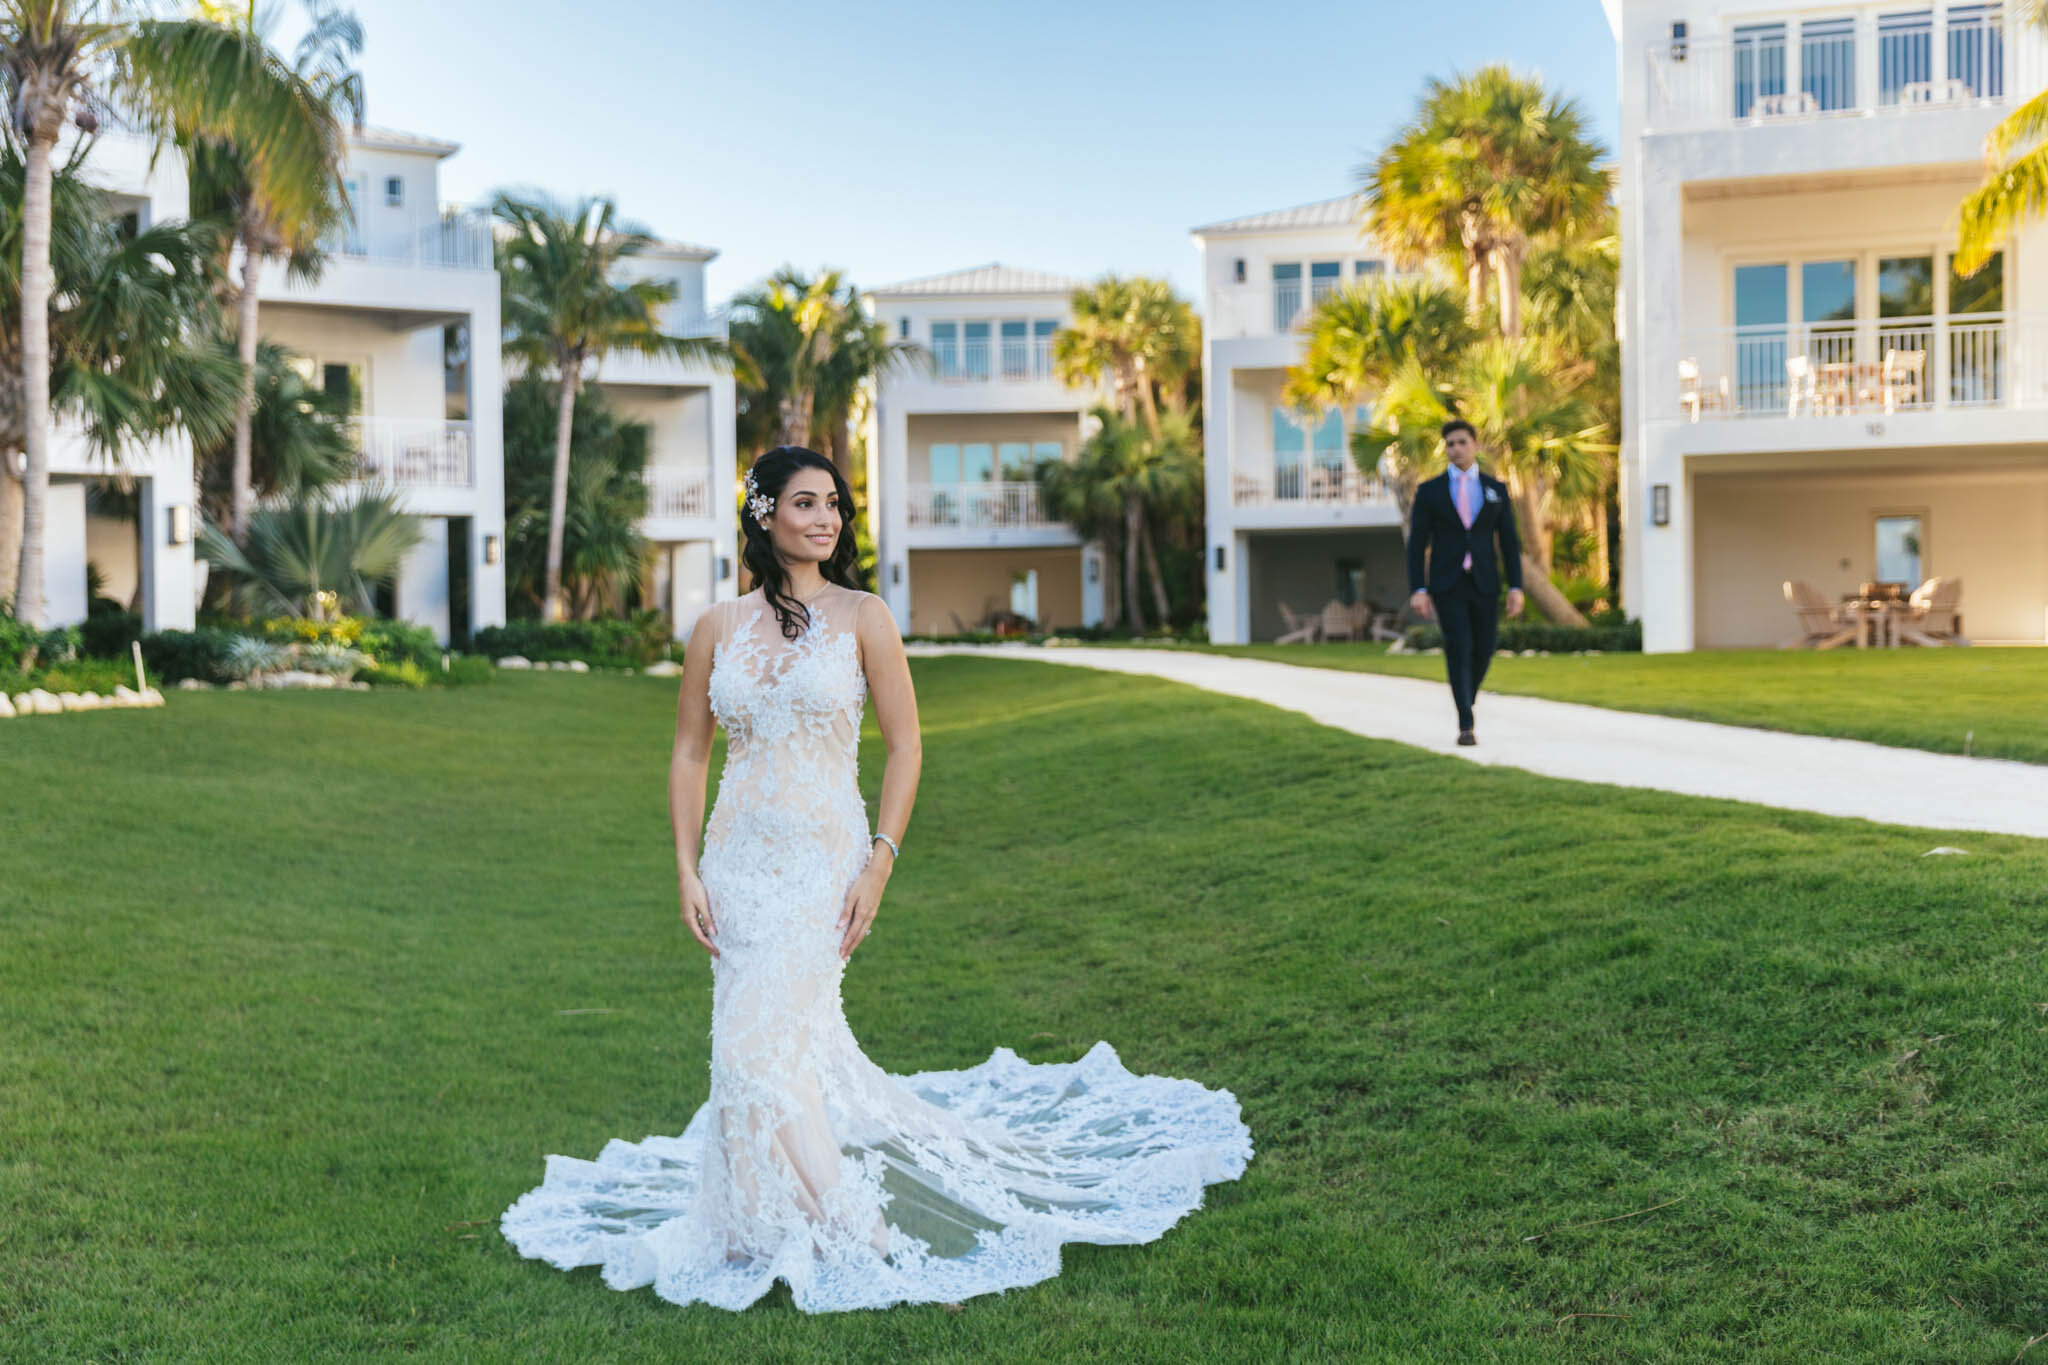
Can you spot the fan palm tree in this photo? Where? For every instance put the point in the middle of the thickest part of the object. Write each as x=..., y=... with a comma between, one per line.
x=273, y=207
x=2015, y=186
x=1529, y=412
x=1137, y=334
x=1491, y=162
x=1358, y=337
x=121, y=356
x=563, y=313
x=813, y=347
x=1122, y=479
x=300, y=549
x=300, y=438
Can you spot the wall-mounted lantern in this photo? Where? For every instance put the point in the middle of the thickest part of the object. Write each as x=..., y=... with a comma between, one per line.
x=1660, y=504
x=1237, y=269
x=180, y=523
x=494, y=549
x=1219, y=559
x=1678, y=40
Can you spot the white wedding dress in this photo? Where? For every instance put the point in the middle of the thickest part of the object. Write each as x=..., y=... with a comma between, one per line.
x=808, y=1163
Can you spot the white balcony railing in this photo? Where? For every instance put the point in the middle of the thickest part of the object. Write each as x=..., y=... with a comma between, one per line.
x=968, y=362
x=1332, y=484
x=1971, y=360
x=414, y=452
x=683, y=493
x=1842, y=66
x=456, y=239
x=977, y=506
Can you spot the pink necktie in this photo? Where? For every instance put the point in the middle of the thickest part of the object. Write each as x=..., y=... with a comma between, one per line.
x=1465, y=512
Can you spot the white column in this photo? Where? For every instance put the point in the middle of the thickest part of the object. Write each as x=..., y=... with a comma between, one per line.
x=422, y=595
x=1666, y=591
x=724, y=567
x=64, y=556
x=1092, y=570
x=1651, y=326
x=892, y=558
x=487, y=453
x=1241, y=584
x=1222, y=581
x=169, y=575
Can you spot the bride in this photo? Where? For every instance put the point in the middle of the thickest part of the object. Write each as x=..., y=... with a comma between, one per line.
x=808, y=1163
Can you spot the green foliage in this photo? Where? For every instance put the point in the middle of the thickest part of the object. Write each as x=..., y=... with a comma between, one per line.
x=107, y=635
x=402, y=673
x=394, y=641
x=247, y=656
x=601, y=644
x=467, y=670
x=1137, y=334
x=602, y=548
x=78, y=675
x=342, y=630
x=309, y=546
x=810, y=347
x=171, y=656
x=300, y=440
x=1541, y=635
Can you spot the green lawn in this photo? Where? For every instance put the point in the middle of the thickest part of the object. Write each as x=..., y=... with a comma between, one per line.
x=285, y=978
x=1987, y=701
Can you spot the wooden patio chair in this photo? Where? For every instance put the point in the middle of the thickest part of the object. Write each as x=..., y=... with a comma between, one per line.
x=1301, y=630
x=1904, y=373
x=1933, y=614
x=1380, y=624
x=1820, y=623
x=1337, y=621
x=1693, y=398
x=1798, y=381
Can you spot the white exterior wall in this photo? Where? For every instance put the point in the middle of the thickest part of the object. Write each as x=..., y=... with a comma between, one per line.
x=1701, y=192
x=911, y=394
x=1246, y=355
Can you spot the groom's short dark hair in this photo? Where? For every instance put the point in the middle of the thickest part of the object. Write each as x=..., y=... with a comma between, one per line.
x=1458, y=424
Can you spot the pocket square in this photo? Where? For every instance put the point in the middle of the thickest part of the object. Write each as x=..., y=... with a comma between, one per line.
x=1493, y=495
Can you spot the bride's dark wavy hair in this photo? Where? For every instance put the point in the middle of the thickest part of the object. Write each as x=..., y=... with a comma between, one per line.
x=772, y=473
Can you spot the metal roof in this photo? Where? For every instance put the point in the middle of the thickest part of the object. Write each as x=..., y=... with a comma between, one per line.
x=993, y=278
x=1324, y=213
x=392, y=139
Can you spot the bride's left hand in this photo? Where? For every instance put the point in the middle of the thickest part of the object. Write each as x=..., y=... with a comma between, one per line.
x=863, y=899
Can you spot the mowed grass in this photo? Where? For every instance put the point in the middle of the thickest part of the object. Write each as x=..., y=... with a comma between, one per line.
x=1535, y=1071
x=1988, y=701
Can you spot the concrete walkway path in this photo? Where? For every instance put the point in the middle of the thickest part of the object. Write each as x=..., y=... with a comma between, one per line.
x=1842, y=777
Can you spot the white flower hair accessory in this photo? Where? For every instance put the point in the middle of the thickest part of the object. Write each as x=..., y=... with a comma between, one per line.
x=759, y=505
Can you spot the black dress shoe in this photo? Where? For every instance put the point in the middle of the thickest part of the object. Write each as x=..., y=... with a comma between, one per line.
x=1466, y=739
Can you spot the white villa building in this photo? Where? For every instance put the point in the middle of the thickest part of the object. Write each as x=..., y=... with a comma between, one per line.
x=952, y=502
x=1810, y=392
x=394, y=323
x=692, y=518
x=1291, y=520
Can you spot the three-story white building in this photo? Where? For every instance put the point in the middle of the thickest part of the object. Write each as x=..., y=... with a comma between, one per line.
x=953, y=502
x=1291, y=519
x=1811, y=391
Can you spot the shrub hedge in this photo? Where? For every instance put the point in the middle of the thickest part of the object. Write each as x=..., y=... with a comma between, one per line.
x=1521, y=635
x=601, y=644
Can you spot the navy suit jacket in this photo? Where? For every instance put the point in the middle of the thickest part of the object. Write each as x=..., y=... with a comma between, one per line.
x=1435, y=530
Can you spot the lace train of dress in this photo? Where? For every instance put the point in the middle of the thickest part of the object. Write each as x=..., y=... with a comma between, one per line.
x=808, y=1163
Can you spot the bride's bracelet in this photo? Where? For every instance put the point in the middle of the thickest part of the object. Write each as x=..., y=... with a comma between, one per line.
x=883, y=838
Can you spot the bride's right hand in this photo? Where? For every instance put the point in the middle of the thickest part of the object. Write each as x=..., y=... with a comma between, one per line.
x=697, y=912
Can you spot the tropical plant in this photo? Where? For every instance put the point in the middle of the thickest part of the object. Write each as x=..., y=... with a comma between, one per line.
x=602, y=548
x=1544, y=437
x=564, y=312
x=811, y=348
x=1491, y=162
x=2015, y=186
x=1138, y=334
x=1123, y=480
x=1359, y=337
x=315, y=555
x=271, y=177
x=300, y=438
x=121, y=356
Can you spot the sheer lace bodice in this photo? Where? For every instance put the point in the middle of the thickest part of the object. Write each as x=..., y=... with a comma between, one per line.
x=807, y=1162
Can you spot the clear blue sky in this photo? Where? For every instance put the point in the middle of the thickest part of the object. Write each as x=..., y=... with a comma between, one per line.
x=902, y=139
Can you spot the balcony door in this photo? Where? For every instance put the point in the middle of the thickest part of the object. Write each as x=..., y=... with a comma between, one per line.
x=1290, y=445
x=1762, y=304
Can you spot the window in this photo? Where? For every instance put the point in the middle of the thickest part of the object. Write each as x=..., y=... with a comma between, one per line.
x=1905, y=287
x=946, y=349
x=1976, y=48
x=1827, y=62
x=455, y=371
x=1367, y=270
x=1899, y=549
x=974, y=358
x=1323, y=278
x=1976, y=334
x=1761, y=302
x=1350, y=582
x=1827, y=301
x=903, y=329
x=1983, y=292
x=1016, y=351
x=1041, y=347
x=340, y=380
x=945, y=463
x=1014, y=459
x=1286, y=294
x=1759, y=61
x=351, y=229
x=1329, y=443
x=1289, y=444
x=978, y=463
x=1024, y=594
x=394, y=191
x=1046, y=451
x=1905, y=53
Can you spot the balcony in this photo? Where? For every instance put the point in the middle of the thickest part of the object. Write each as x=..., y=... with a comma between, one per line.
x=1971, y=361
x=976, y=506
x=458, y=239
x=1843, y=66
x=678, y=494
x=1322, y=485
x=410, y=452
x=981, y=362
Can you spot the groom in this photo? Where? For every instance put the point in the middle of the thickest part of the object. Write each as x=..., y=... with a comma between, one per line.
x=1456, y=518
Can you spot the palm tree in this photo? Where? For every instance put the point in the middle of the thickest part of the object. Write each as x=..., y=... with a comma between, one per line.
x=300, y=438
x=602, y=547
x=122, y=359
x=299, y=549
x=1138, y=334
x=1491, y=162
x=273, y=206
x=813, y=347
x=564, y=312
x=2015, y=184
x=1119, y=482
x=1528, y=410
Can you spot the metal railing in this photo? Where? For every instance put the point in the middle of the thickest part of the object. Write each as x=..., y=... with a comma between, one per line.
x=1316, y=482
x=457, y=239
x=1286, y=304
x=678, y=492
x=1882, y=365
x=1020, y=362
x=976, y=505
x=414, y=452
x=1851, y=65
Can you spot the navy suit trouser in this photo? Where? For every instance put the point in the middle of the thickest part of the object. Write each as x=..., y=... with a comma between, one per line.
x=1470, y=620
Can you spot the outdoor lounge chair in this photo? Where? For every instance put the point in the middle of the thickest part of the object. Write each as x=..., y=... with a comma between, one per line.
x=1933, y=614
x=1338, y=622
x=1301, y=630
x=1820, y=624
